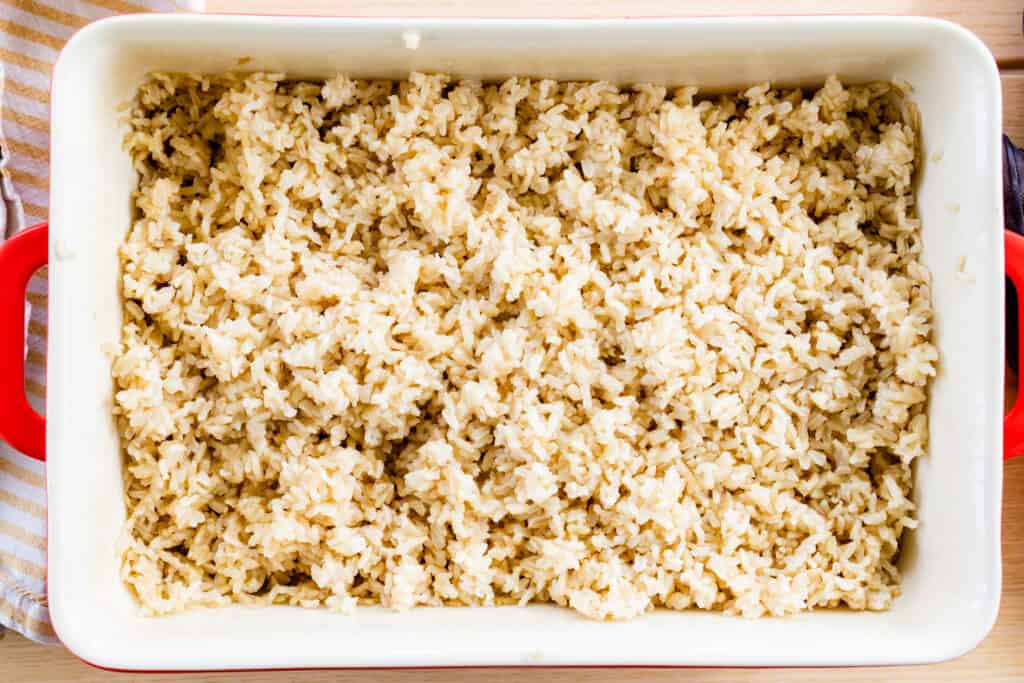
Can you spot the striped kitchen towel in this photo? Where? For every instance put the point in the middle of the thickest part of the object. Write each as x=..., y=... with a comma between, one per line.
x=32, y=32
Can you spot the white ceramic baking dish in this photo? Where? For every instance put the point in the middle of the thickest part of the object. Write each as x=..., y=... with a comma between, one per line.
x=951, y=563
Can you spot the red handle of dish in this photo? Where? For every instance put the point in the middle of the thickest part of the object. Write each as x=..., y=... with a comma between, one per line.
x=1013, y=423
x=20, y=426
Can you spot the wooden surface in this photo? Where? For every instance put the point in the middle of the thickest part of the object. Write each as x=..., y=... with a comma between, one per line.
x=999, y=658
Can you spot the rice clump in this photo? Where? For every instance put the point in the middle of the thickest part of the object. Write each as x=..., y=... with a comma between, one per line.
x=438, y=342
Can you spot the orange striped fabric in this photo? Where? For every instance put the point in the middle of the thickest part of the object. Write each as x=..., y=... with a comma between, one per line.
x=32, y=32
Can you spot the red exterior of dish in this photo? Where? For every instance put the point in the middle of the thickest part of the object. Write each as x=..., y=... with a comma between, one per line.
x=21, y=256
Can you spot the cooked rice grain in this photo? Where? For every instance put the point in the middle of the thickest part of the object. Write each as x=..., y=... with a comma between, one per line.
x=438, y=342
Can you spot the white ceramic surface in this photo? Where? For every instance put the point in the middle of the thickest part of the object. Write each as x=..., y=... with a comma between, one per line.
x=952, y=563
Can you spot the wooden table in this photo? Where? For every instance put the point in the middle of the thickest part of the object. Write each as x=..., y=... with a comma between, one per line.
x=999, y=658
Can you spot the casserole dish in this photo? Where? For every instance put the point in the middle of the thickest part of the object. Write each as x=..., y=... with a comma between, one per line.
x=951, y=564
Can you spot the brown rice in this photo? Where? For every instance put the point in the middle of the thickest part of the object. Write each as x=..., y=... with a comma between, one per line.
x=438, y=342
